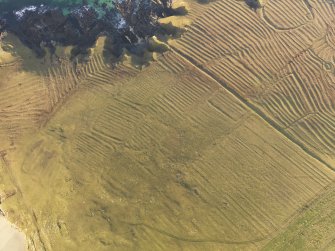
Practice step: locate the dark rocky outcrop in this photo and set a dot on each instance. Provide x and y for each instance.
(127, 25)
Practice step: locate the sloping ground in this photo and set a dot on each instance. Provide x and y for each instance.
(312, 230)
(167, 159)
(279, 60)
(183, 155)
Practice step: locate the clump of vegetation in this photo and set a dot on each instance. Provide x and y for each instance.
(254, 4)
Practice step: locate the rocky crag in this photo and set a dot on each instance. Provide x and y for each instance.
(128, 24)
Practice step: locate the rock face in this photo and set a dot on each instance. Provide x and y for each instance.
(40, 29)
(127, 24)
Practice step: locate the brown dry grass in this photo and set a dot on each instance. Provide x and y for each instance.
(219, 145)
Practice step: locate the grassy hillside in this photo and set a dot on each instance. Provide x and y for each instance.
(223, 143)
